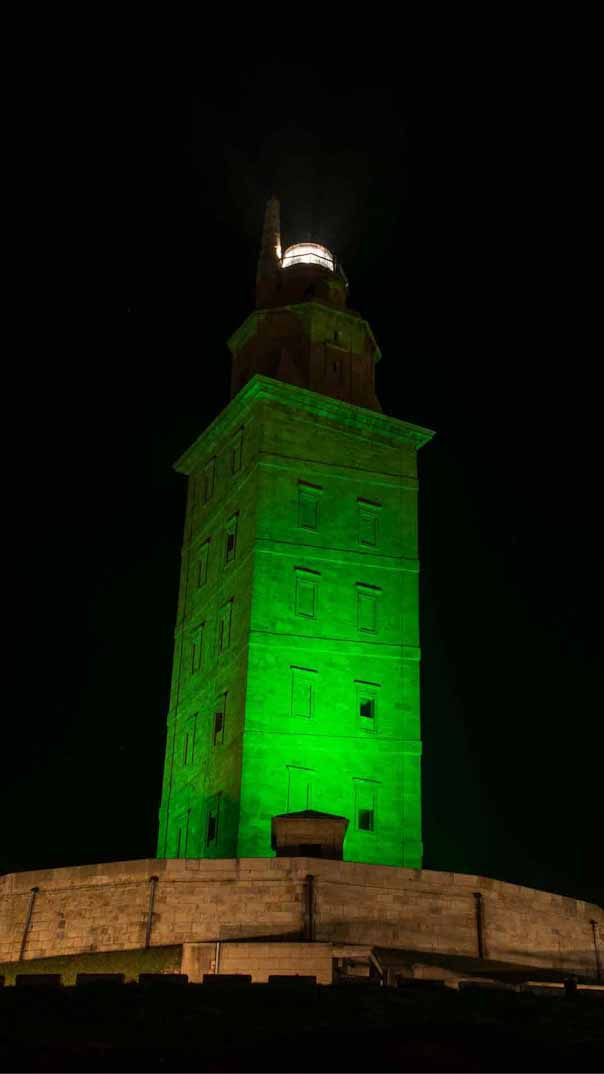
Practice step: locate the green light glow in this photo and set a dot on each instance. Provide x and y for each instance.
(303, 633)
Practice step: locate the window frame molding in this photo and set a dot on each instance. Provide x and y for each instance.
(364, 787)
(368, 510)
(202, 560)
(364, 591)
(306, 577)
(299, 674)
(220, 708)
(182, 822)
(198, 646)
(236, 452)
(309, 494)
(225, 615)
(189, 742)
(213, 810)
(367, 691)
(208, 479)
(311, 778)
(231, 528)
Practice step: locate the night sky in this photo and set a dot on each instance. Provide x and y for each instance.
(458, 217)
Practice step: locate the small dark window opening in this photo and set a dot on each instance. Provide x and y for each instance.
(212, 828)
(366, 820)
(310, 850)
(236, 454)
(218, 726)
(230, 545)
(368, 709)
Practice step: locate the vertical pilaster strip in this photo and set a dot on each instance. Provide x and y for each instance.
(479, 923)
(152, 886)
(309, 908)
(30, 909)
(594, 929)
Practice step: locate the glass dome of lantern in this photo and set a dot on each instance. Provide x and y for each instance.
(308, 253)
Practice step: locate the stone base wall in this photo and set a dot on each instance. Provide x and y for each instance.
(106, 908)
(260, 960)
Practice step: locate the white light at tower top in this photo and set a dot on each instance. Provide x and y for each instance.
(308, 253)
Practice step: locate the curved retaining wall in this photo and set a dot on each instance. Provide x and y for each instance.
(107, 907)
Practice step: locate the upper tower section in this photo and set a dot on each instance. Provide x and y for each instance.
(302, 331)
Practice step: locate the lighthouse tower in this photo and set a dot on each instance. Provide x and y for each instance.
(296, 666)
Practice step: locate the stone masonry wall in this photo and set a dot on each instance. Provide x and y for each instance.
(105, 908)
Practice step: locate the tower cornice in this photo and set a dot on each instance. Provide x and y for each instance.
(260, 388)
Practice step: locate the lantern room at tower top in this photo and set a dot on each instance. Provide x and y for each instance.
(308, 253)
(296, 670)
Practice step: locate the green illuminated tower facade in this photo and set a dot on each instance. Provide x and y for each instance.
(296, 669)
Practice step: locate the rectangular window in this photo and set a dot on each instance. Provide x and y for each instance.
(197, 649)
(188, 742)
(307, 584)
(368, 513)
(367, 608)
(219, 719)
(303, 691)
(236, 452)
(202, 563)
(182, 835)
(208, 481)
(366, 694)
(212, 828)
(230, 539)
(213, 821)
(333, 364)
(365, 802)
(223, 639)
(299, 788)
(308, 505)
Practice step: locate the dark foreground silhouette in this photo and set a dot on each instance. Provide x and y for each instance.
(174, 1026)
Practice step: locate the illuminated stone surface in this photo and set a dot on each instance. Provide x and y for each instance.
(105, 908)
(302, 633)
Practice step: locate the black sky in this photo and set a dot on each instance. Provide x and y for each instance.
(461, 220)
